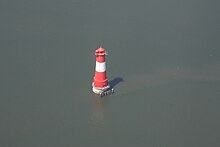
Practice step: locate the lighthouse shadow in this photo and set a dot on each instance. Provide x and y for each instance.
(115, 81)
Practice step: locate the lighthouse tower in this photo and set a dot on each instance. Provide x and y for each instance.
(100, 81)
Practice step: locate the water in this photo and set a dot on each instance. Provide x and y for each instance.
(164, 64)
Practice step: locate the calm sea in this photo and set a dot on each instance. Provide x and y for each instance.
(163, 62)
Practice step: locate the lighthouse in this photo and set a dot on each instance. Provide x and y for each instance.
(100, 83)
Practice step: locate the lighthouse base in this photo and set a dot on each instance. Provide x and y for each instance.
(98, 90)
(104, 91)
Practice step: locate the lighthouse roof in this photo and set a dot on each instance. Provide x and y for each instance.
(100, 51)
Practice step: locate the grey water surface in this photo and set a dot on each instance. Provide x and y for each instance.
(163, 62)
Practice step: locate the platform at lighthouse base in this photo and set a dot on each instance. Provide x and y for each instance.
(102, 91)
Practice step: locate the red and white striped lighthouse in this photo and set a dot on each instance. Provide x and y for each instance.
(100, 81)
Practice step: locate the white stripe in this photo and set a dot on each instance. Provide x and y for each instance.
(100, 67)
